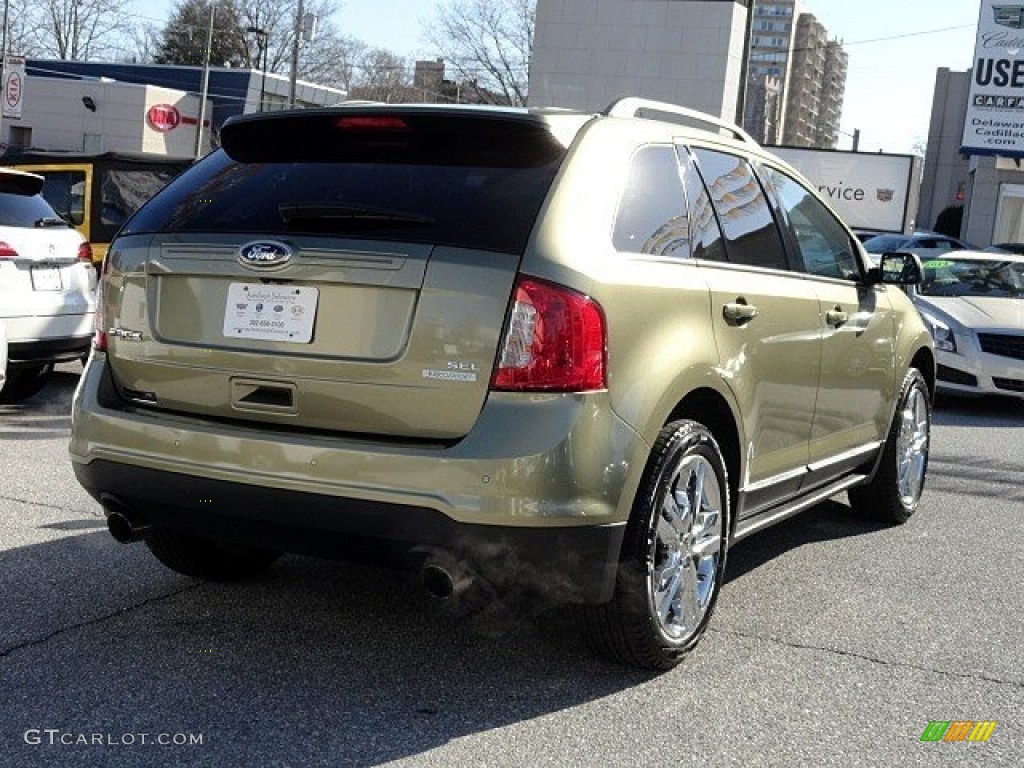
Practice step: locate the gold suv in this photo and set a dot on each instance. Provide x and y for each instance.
(579, 353)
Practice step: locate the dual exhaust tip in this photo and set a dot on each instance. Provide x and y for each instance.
(442, 576)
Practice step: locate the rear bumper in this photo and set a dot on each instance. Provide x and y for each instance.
(573, 564)
(48, 339)
(537, 494)
(48, 350)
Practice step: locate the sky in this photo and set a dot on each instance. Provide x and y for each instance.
(894, 48)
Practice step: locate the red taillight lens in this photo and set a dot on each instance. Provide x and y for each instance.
(7, 252)
(554, 341)
(371, 123)
(99, 336)
(85, 253)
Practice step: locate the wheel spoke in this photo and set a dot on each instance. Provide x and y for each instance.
(667, 597)
(706, 546)
(689, 597)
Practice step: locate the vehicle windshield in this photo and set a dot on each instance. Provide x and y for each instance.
(996, 278)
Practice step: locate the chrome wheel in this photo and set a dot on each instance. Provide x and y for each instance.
(912, 447)
(686, 545)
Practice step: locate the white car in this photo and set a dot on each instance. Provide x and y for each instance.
(3, 355)
(47, 286)
(973, 303)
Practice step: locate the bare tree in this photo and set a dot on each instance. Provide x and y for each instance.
(383, 76)
(488, 43)
(21, 27)
(76, 29)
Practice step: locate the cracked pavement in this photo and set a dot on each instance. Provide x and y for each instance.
(835, 642)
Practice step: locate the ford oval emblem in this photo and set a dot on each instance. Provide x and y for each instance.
(264, 254)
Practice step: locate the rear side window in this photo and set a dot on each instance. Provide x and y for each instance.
(452, 180)
(652, 211)
(825, 247)
(746, 218)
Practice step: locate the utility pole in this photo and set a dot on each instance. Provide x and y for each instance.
(206, 81)
(3, 72)
(296, 42)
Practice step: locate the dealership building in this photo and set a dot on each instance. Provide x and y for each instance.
(975, 156)
(94, 107)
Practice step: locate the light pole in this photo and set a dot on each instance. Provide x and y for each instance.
(3, 72)
(206, 82)
(261, 50)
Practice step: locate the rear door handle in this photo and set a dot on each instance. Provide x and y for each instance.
(836, 317)
(739, 312)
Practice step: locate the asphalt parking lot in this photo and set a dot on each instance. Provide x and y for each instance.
(836, 641)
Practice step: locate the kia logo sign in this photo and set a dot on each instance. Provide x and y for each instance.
(264, 254)
(163, 117)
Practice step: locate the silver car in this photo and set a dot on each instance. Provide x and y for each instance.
(973, 302)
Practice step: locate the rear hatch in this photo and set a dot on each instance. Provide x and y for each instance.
(339, 270)
(41, 273)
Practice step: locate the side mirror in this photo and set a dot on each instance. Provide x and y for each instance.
(899, 268)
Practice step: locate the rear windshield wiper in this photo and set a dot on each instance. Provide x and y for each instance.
(50, 221)
(343, 215)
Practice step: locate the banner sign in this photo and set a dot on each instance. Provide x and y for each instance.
(995, 107)
(869, 190)
(14, 87)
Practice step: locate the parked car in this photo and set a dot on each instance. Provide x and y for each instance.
(534, 349)
(3, 355)
(96, 193)
(920, 240)
(47, 286)
(973, 302)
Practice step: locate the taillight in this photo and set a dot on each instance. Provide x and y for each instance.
(85, 253)
(99, 336)
(554, 341)
(7, 252)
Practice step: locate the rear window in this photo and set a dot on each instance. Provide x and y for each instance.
(461, 181)
(17, 210)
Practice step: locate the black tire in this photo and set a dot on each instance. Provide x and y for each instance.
(24, 381)
(892, 495)
(205, 558)
(629, 628)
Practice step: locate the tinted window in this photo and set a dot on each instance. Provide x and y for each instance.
(746, 218)
(469, 183)
(18, 210)
(707, 235)
(824, 245)
(652, 212)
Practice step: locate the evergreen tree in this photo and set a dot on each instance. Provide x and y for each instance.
(183, 40)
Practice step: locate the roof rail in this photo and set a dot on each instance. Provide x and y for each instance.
(631, 106)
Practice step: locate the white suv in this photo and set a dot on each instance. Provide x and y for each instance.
(47, 286)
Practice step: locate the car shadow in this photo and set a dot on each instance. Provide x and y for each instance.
(45, 415)
(950, 410)
(315, 663)
(828, 521)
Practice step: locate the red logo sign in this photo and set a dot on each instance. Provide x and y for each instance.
(13, 93)
(163, 117)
